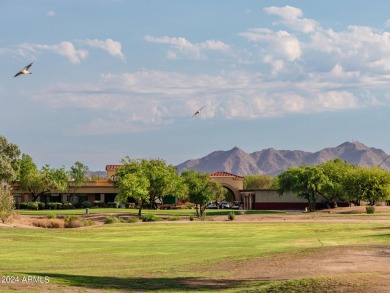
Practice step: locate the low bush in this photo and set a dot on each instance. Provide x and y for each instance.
(56, 223)
(41, 205)
(191, 217)
(51, 216)
(98, 204)
(32, 205)
(88, 222)
(67, 205)
(77, 221)
(55, 205)
(132, 220)
(370, 209)
(112, 220)
(69, 220)
(231, 216)
(86, 204)
(23, 205)
(113, 205)
(48, 223)
(150, 218)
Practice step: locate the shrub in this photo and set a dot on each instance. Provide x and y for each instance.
(98, 203)
(69, 219)
(132, 220)
(86, 204)
(41, 205)
(111, 220)
(54, 205)
(88, 222)
(48, 223)
(150, 218)
(23, 205)
(370, 209)
(113, 204)
(231, 216)
(68, 205)
(174, 218)
(56, 223)
(76, 222)
(73, 222)
(51, 216)
(32, 205)
(191, 217)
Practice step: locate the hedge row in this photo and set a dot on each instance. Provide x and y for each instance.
(41, 206)
(62, 206)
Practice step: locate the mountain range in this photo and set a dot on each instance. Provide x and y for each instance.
(272, 162)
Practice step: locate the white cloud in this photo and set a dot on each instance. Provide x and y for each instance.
(292, 17)
(51, 13)
(280, 43)
(114, 48)
(336, 100)
(66, 49)
(148, 99)
(186, 48)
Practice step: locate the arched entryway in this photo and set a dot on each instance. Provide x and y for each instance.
(233, 183)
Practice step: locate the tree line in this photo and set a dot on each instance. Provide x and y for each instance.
(146, 181)
(335, 181)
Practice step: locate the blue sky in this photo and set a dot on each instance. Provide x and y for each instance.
(114, 78)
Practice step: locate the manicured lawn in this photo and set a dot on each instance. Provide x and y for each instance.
(163, 257)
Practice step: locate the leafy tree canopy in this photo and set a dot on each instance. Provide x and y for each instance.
(9, 160)
(201, 190)
(162, 179)
(39, 182)
(258, 181)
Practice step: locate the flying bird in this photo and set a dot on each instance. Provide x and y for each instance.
(198, 111)
(24, 70)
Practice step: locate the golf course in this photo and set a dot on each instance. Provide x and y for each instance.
(258, 251)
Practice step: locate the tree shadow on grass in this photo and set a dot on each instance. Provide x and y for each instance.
(143, 284)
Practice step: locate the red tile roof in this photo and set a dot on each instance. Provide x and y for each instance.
(112, 167)
(223, 174)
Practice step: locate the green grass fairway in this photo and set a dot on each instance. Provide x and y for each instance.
(163, 257)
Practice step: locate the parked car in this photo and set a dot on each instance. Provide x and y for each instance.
(212, 206)
(224, 205)
(237, 205)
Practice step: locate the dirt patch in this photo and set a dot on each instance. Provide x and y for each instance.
(356, 269)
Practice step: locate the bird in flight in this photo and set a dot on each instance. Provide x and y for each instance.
(24, 70)
(198, 111)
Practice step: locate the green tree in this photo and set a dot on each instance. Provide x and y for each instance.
(39, 182)
(257, 181)
(306, 182)
(201, 190)
(370, 184)
(7, 204)
(134, 185)
(78, 174)
(336, 171)
(163, 179)
(9, 161)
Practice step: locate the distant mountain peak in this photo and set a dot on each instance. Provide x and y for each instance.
(355, 144)
(271, 161)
